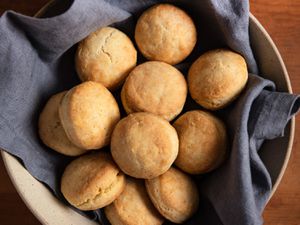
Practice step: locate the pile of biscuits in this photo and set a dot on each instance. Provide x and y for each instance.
(144, 177)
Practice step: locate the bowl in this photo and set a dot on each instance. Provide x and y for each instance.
(274, 153)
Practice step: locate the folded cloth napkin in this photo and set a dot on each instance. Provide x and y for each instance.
(36, 58)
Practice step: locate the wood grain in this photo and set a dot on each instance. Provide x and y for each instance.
(281, 18)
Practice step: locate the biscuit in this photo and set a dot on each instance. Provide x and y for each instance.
(51, 131)
(144, 145)
(165, 33)
(202, 142)
(155, 87)
(133, 207)
(88, 113)
(92, 181)
(105, 56)
(216, 78)
(174, 194)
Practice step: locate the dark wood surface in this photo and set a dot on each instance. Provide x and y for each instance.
(281, 18)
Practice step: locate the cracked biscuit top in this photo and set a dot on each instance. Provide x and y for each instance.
(155, 87)
(105, 56)
(92, 181)
(165, 33)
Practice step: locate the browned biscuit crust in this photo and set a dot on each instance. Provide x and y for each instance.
(51, 130)
(202, 142)
(105, 56)
(144, 145)
(88, 113)
(92, 181)
(165, 33)
(174, 194)
(133, 207)
(216, 78)
(155, 87)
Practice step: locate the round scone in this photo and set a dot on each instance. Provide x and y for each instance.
(51, 131)
(174, 194)
(216, 78)
(92, 181)
(155, 87)
(144, 145)
(133, 207)
(165, 33)
(105, 56)
(88, 113)
(202, 142)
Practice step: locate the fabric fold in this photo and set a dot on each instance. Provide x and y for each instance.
(280, 105)
(51, 37)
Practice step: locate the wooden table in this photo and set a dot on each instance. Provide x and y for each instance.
(281, 18)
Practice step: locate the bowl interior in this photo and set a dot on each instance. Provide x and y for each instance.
(275, 153)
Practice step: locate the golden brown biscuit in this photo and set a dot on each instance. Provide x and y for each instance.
(216, 78)
(202, 142)
(88, 113)
(51, 131)
(92, 181)
(155, 87)
(133, 207)
(144, 145)
(174, 194)
(165, 33)
(105, 56)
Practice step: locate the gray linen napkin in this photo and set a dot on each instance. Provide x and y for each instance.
(36, 58)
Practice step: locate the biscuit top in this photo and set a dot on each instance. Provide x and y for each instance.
(88, 113)
(133, 206)
(217, 77)
(155, 87)
(144, 145)
(174, 194)
(165, 33)
(51, 130)
(105, 56)
(91, 180)
(203, 142)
